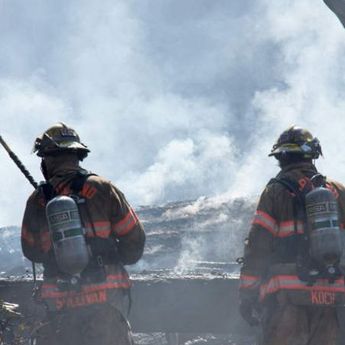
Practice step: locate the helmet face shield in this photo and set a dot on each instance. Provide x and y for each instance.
(59, 138)
(296, 140)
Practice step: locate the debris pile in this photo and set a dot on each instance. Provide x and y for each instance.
(14, 328)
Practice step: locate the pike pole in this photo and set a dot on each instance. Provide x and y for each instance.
(26, 173)
(19, 164)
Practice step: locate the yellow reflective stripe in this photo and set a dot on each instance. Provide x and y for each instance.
(287, 228)
(102, 229)
(266, 221)
(126, 224)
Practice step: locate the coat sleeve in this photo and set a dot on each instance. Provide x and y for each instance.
(127, 228)
(35, 237)
(258, 246)
(339, 192)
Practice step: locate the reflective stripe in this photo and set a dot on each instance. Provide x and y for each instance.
(28, 236)
(88, 191)
(102, 229)
(266, 221)
(291, 282)
(51, 290)
(249, 282)
(126, 224)
(287, 228)
(283, 229)
(45, 240)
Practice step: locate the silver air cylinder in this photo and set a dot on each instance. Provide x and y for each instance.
(324, 233)
(67, 235)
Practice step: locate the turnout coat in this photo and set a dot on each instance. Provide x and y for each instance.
(108, 219)
(272, 247)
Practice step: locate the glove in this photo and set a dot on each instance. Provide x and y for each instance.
(250, 312)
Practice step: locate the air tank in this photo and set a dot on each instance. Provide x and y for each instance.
(324, 234)
(67, 235)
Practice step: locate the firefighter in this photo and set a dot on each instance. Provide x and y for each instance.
(83, 231)
(291, 280)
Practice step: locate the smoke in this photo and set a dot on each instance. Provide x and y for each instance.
(175, 99)
(183, 165)
(313, 75)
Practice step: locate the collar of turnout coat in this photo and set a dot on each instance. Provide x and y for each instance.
(307, 168)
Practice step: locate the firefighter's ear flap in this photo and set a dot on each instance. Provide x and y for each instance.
(44, 170)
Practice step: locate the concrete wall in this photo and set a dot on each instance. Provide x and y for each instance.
(170, 304)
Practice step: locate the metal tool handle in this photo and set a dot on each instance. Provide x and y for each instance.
(19, 164)
(26, 173)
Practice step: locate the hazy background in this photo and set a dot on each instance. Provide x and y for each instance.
(175, 98)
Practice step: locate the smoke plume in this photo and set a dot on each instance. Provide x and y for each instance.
(175, 99)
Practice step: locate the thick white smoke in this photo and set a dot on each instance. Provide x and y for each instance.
(176, 99)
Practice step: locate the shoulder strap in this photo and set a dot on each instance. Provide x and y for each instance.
(292, 186)
(298, 202)
(76, 187)
(79, 180)
(47, 190)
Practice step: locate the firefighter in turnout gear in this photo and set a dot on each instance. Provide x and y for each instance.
(83, 231)
(292, 281)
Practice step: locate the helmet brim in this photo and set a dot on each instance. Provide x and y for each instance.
(72, 145)
(286, 148)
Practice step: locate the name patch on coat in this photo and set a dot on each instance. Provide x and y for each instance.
(81, 299)
(322, 297)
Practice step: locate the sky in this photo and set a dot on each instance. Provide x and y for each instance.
(176, 99)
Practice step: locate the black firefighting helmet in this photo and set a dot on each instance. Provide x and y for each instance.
(60, 138)
(298, 141)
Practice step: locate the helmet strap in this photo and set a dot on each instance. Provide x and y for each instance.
(44, 170)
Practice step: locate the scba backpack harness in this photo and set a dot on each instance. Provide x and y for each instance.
(319, 250)
(79, 258)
